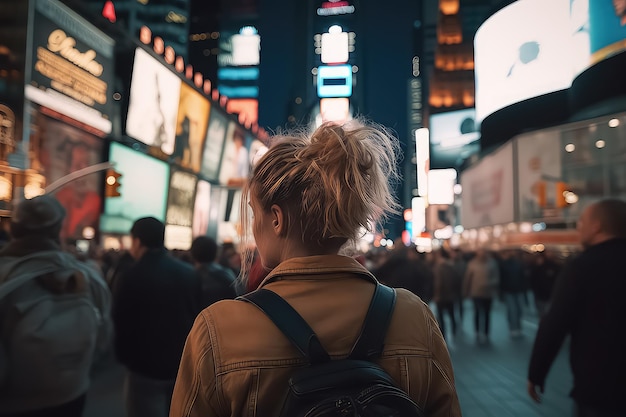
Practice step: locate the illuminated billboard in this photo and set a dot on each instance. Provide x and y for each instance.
(153, 103)
(180, 207)
(235, 159)
(214, 144)
(191, 127)
(488, 190)
(522, 51)
(454, 137)
(607, 28)
(70, 68)
(201, 209)
(65, 149)
(143, 187)
(334, 81)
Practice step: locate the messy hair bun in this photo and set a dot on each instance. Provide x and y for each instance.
(335, 182)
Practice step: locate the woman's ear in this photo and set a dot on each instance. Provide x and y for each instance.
(279, 218)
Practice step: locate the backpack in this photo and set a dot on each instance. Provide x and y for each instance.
(48, 339)
(354, 386)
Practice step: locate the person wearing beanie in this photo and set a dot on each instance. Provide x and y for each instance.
(68, 316)
(155, 303)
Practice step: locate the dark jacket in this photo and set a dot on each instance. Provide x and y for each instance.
(412, 274)
(588, 304)
(217, 283)
(512, 276)
(154, 306)
(542, 279)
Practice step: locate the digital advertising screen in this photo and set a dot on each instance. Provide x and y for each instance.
(607, 28)
(70, 66)
(179, 213)
(235, 164)
(191, 128)
(153, 103)
(144, 183)
(202, 209)
(488, 190)
(64, 149)
(454, 137)
(540, 169)
(214, 144)
(522, 51)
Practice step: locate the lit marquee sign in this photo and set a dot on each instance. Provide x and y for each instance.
(71, 69)
(334, 81)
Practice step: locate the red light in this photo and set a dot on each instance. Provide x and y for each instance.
(108, 11)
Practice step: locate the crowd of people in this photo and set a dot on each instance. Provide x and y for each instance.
(190, 348)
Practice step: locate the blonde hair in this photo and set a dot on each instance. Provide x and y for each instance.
(336, 182)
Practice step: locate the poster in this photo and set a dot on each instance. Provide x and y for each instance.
(64, 149)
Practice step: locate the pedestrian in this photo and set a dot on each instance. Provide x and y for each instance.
(480, 283)
(447, 289)
(54, 317)
(543, 273)
(458, 261)
(588, 305)
(154, 305)
(217, 283)
(404, 268)
(310, 196)
(512, 289)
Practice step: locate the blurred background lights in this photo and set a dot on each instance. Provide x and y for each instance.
(613, 122)
(600, 144)
(570, 197)
(570, 147)
(525, 227)
(458, 189)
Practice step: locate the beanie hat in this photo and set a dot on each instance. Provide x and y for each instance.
(150, 232)
(42, 216)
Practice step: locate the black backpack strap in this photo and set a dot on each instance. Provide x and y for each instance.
(290, 322)
(370, 342)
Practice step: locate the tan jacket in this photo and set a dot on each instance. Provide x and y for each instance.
(237, 363)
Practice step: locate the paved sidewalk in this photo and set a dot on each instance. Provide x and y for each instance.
(490, 378)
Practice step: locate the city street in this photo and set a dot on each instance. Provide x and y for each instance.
(490, 378)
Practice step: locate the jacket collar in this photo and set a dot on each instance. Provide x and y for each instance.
(319, 266)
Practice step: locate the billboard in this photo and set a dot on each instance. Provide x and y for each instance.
(235, 164)
(607, 28)
(191, 127)
(488, 190)
(153, 103)
(214, 144)
(522, 51)
(64, 149)
(540, 171)
(179, 213)
(454, 137)
(70, 67)
(201, 209)
(144, 184)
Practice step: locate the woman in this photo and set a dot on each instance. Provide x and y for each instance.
(309, 196)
